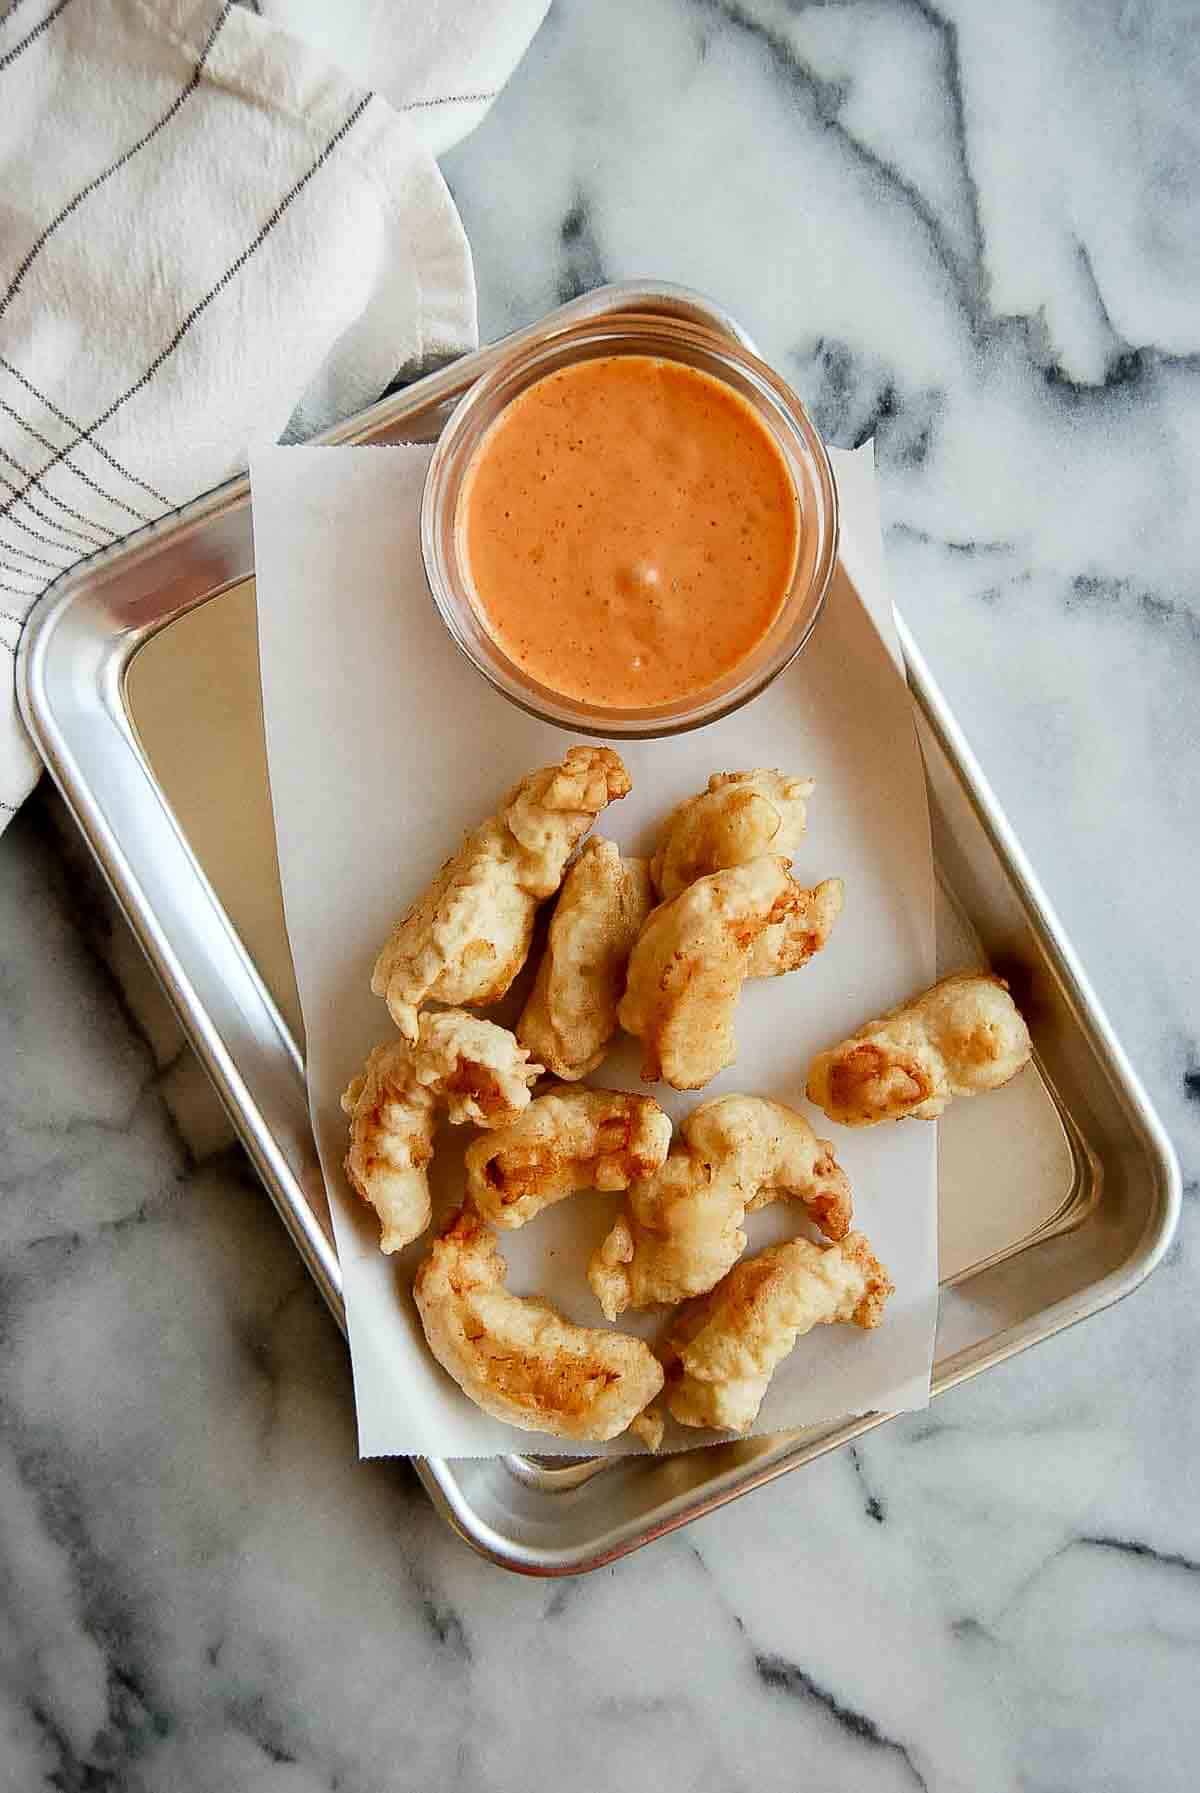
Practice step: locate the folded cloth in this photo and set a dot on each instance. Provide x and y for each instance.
(441, 65)
(213, 233)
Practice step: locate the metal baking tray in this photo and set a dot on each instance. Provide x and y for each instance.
(138, 676)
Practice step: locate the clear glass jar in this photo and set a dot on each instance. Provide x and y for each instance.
(777, 407)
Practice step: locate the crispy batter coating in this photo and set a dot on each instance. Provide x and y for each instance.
(602, 907)
(723, 1348)
(567, 1140)
(649, 1426)
(741, 816)
(466, 937)
(790, 944)
(687, 969)
(392, 1120)
(475, 1068)
(517, 1357)
(960, 1037)
(682, 1226)
(479, 1070)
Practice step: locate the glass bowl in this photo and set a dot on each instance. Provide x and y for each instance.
(777, 407)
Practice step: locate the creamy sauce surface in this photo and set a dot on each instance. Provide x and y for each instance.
(630, 530)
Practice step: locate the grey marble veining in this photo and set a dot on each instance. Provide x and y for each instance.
(973, 231)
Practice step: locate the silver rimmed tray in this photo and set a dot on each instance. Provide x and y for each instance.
(139, 681)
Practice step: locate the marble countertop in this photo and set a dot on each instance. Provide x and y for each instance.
(973, 231)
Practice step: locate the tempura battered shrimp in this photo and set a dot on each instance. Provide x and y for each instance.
(788, 945)
(392, 1121)
(688, 966)
(682, 1226)
(962, 1036)
(475, 1068)
(479, 1070)
(465, 939)
(572, 1012)
(517, 1357)
(741, 816)
(723, 1348)
(567, 1140)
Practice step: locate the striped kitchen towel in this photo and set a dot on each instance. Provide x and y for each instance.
(213, 231)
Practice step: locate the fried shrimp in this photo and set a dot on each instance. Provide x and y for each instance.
(465, 939)
(963, 1036)
(682, 1225)
(788, 945)
(479, 1072)
(741, 816)
(571, 1014)
(688, 966)
(723, 1348)
(392, 1120)
(517, 1357)
(567, 1140)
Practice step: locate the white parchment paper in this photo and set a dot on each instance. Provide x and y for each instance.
(384, 746)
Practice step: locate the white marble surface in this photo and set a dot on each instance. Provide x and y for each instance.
(974, 229)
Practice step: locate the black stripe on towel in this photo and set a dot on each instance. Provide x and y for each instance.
(11, 55)
(78, 471)
(451, 99)
(234, 268)
(23, 573)
(27, 529)
(115, 167)
(19, 497)
(53, 498)
(24, 554)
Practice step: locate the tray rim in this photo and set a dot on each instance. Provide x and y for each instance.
(271, 1156)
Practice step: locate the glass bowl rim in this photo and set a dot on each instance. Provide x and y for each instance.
(628, 333)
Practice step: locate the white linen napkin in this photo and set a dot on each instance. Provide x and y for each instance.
(213, 233)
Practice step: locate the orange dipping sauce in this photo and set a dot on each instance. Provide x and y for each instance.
(630, 530)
